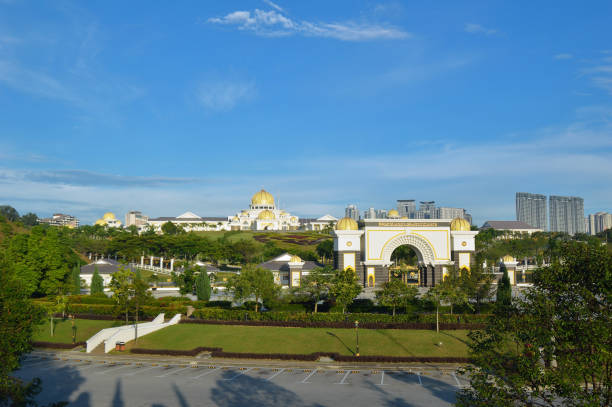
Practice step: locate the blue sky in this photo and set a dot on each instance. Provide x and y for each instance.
(197, 105)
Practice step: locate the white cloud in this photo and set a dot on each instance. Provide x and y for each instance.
(224, 95)
(33, 82)
(600, 74)
(479, 29)
(274, 5)
(564, 56)
(274, 24)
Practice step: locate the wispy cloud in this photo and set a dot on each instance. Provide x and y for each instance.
(274, 5)
(224, 95)
(33, 82)
(274, 23)
(479, 29)
(600, 74)
(564, 56)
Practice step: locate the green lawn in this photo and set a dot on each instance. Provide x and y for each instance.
(388, 342)
(86, 328)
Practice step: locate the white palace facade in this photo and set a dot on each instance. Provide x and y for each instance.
(263, 214)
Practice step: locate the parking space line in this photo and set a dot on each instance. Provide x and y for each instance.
(113, 370)
(419, 376)
(239, 374)
(344, 378)
(382, 378)
(309, 376)
(456, 380)
(139, 371)
(205, 373)
(174, 371)
(276, 374)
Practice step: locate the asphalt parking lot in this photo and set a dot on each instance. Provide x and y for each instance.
(116, 382)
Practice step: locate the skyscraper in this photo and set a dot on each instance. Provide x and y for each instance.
(566, 214)
(352, 212)
(406, 207)
(531, 209)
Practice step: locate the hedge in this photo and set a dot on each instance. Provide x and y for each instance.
(146, 311)
(312, 357)
(325, 324)
(56, 345)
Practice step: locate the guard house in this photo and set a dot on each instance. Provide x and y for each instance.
(440, 244)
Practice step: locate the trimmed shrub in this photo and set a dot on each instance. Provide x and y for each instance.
(56, 345)
(323, 324)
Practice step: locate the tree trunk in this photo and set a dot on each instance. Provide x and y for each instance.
(256, 304)
(126, 315)
(51, 324)
(316, 306)
(394, 310)
(451, 304)
(437, 320)
(136, 325)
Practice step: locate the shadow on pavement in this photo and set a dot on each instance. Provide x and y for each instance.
(252, 392)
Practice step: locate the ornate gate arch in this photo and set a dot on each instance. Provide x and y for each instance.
(421, 247)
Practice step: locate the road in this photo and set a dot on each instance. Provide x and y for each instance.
(119, 381)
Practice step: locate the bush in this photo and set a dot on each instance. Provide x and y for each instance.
(57, 345)
(219, 304)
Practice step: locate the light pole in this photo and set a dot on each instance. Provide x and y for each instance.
(357, 336)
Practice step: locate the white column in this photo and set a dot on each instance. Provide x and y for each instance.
(171, 264)
(161, 263)
(151, 258)
(141, 261)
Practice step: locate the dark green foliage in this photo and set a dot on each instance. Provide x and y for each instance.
(170, 228)
(552, 346)
(396, 293)
(97, 283)
(344, 287)
(253, 282)
(9, 213)
(315, 286)
(185, 280)
(76, 280)
(29, 219)
(504, 291)
(325, 250)
(202, 284)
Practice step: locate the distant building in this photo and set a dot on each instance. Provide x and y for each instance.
(427, 210)
(189, 221)
(406, 208)
(369, 214)
(60, 219)
(105, 268)
(566, 214)
(135, 218)
(318, 224)
(598, 222)
(109, 220)
(510, 226)
(288, 269)
(450, 213)
(531, 209)
(263, 214)
(352, 212)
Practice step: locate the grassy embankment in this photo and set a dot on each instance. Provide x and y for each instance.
(289, 240)
(388, 342)
(86, 328)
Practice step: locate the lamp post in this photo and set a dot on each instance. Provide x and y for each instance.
(357, 336)
(73, 329)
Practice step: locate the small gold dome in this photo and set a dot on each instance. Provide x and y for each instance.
(109, 216)
(347, 224)
(100, 222)
(393, 213)
(295, 259)
(262, 198)
(236, 218)
(460, 224)
(508, 259)
(266, 214)
(404, 217)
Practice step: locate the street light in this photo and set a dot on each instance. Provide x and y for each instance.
(357, 335)
(74, 328)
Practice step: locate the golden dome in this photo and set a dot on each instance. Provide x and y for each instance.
(347, 224)
(295, 259)
(262, 198)
(235, 218)
(393, 213)
(460, 224)
(404, 217)
(266, 214)
(508, 259)
(100, 222)
(109, 216)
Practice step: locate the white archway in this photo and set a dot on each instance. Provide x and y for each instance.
(422, 248)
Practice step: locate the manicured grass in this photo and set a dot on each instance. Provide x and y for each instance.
(387, 342)
(86, 328)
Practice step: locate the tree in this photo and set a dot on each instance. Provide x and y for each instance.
(325, 250)
(253, 282)
(29, 219)
(121, 285)
(504, 291)
(97, 283)
(452, 290)
(170, 228)
(553, 347)
(315, 285)
(476, 283)
(436, 295)
(185, 280)
(76, 280)
(9, 213)
(344, 287)
(202, 284)
(396, 293)
(141, 295)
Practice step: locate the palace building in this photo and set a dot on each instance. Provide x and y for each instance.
(263, 214)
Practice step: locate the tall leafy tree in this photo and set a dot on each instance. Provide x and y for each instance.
(345, 287)
(121, 285)
(315, 285)
(396, 293)
(97, 283)
(325, 250)
(29, 219)
(202, 284)
(76, 280)
(9, 213)
(436, 295)
(140, 296)
(504, 290)
(253, 282)
(185, 280)
(452, 290)
(553, 346)
(476, 283)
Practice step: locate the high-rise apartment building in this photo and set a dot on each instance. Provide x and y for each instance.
(136, 218)
(566, 214)
(531, 209)
(406, 207)
(598, 222)
(369, 214)
(352, 212)
(60, 219)
(450, 213)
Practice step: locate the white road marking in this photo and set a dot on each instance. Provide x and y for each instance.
(205, 373)
(457, 380)
(115, 369)
(419, 376)
(239, 374)
(174, 371)
(276, 374)
(344, 378)
(382, 378)
(139, 371)
(309, 376)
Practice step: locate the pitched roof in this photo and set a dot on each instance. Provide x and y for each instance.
(506, 225)
(105, 266)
